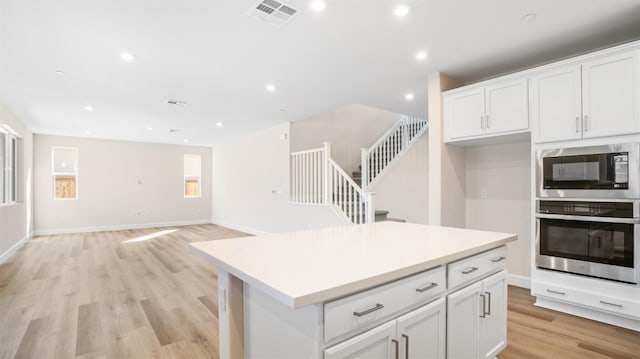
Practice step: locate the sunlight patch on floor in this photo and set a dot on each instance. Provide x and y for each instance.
(149, 236)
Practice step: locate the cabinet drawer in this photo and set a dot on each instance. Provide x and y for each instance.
(621, 306)
(363, 310)
(469, 269)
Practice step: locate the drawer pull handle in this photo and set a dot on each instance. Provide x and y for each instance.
(611, 304)
(484, 304)
(499, 259)
(555, 292)
(406, 344)
(397, 344)
(430, 286)
(470, 270)
(377, 307)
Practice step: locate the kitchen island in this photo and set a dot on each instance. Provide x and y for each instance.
(361, 291)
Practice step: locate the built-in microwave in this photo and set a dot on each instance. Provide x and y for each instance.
(589, 172)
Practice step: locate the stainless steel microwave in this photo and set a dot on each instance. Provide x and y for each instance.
(589, 172)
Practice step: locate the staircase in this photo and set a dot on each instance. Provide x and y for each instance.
(316, 179)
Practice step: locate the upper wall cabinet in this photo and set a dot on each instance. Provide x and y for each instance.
(498, 107)
(595, 99)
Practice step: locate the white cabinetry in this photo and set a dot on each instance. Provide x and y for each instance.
(597, 98)
(477, 319)
(497, 107)
(417, 334)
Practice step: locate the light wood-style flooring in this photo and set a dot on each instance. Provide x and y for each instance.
(120, 294)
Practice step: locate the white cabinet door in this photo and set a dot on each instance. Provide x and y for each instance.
(465, 112)
(422, 334)
(493, 326)
(463, 327)
(378, 343)
(611, 95)
(507, 106)
(557, 113)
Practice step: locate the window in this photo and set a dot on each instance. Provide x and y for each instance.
(8, 166)
(65, 172)
(192, 165)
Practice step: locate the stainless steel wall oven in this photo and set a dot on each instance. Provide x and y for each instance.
(598, 239)
(588, 211)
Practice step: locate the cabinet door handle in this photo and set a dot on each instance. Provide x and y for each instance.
(498, 259)
(489, 303)
(555, 292)
(397, 347)
(406, 345)
(371, 310)
(470, 270)
(482, 122)
(586, 123)
(487, 121)
(484, 303)
(430, 286)
(611, 304)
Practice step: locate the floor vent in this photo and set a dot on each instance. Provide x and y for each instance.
(273, 12)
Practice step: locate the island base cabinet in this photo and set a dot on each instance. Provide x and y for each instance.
(418, 334)
(477, 319)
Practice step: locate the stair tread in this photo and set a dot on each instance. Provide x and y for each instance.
(395, 220)
(380, 212)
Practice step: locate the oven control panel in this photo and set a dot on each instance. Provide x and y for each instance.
(587, 208)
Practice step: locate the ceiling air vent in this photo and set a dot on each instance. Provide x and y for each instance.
(177, 102)
(273, 12)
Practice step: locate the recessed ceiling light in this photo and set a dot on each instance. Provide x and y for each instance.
(87, 132)
(186, 140)
(401, 10)
(271, 88)
(60, 72)
(127, 56)
(529, 17)
(409, 96)
(421, 55)
(89, 108)
(219, 124)
(318, 5)
(149, 128)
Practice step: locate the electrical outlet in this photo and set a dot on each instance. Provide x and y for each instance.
(483, 193)
(139, 181)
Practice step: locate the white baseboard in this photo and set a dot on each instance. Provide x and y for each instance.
(236, 227)
(519, 281)
(16, 247)
(47, 232)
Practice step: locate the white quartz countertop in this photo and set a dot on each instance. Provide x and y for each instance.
(315, 266)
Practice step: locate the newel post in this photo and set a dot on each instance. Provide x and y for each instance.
(364, 170)
(405, 133)
(326, 175)
(370, 208)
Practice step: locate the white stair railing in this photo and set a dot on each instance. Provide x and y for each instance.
(377, 158)
(353, 202)
(308, 170)
(317, 179)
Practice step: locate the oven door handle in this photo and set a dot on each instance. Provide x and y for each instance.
(589, 219)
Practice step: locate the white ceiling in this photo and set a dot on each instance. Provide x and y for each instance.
(212, 55)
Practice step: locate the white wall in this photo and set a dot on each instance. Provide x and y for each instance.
(16, 224)
(348, 128)
(446, 162)
(404, 190)
(109, 195)
(251, 186)
(505, 172)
